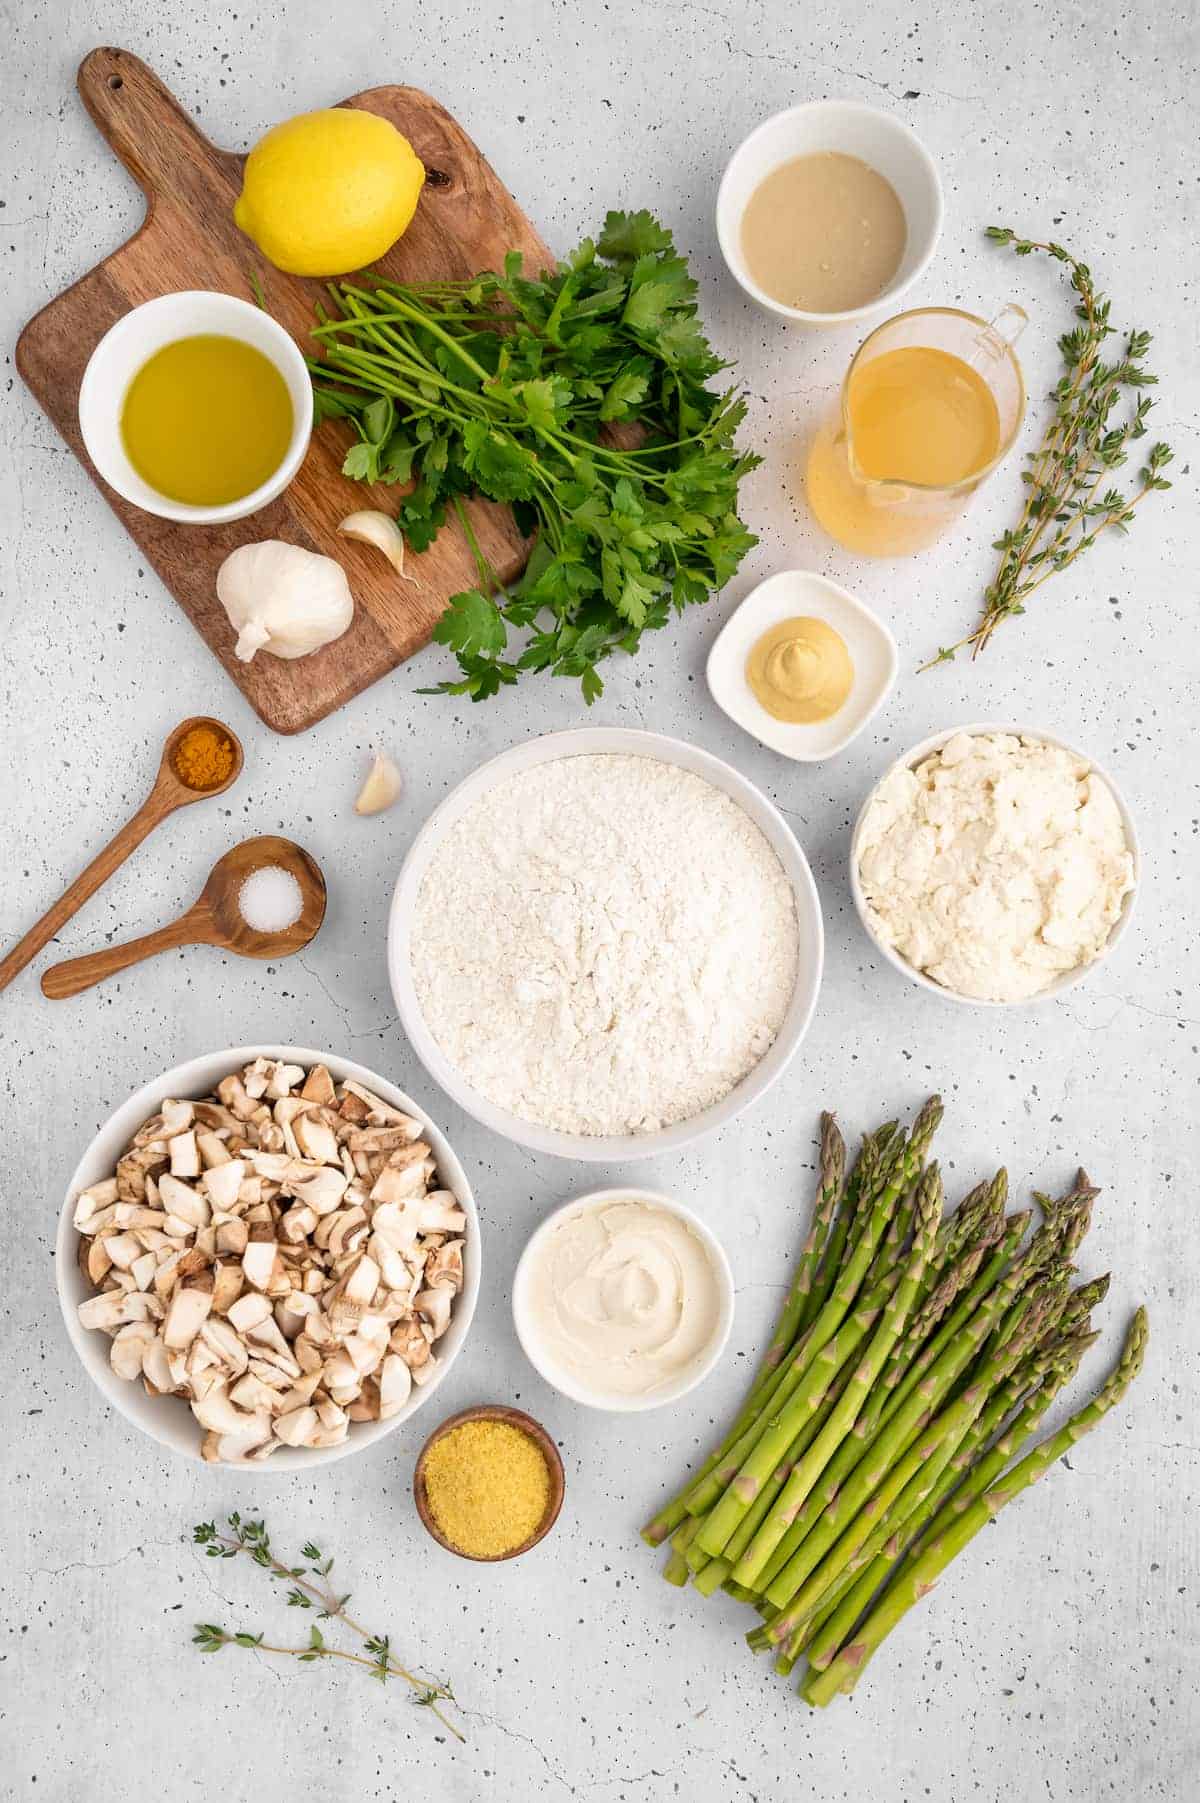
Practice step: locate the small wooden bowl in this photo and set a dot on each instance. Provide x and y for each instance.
(494, 1411)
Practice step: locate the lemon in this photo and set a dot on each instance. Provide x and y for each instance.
(329, 192)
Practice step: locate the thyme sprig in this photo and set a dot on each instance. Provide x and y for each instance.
(1068, 499)
(307, 1590)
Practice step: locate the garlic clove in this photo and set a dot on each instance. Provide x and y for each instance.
(379, 529)
(381, 787)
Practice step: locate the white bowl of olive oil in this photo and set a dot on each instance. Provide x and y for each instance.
(196, 407)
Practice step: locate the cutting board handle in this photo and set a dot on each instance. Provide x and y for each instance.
(141, 118)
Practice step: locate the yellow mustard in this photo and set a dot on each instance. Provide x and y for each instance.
(800, 671)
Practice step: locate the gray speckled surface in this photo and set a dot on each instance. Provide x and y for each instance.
(1061, 1659)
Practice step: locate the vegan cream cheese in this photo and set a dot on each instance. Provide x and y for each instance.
(995, 865)
(623, 1298)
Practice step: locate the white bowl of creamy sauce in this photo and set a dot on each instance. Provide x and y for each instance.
(623, 1300)
(829, 211)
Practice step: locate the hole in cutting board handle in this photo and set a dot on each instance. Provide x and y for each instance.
(116, 81)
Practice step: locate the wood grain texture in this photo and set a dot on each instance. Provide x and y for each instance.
(167, 794)
(214, 919)
(466, 220)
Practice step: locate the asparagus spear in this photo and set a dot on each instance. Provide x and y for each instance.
(892, 1439)
(830, 1182)
(814, 1461)
(953, 1532)
(869, 1169)
(842, 1608)
(909, 1481)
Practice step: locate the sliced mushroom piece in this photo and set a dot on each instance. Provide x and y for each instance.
(223, 1183)
(216, 1412)
(292, 1311)
(143, 1269)
(397, 1221)
(440, 1213)
(233, 1237)
(177, 1117)
(296, 1428)
(341, 1377)
(393, 1271)
(128, 1349)
(228, 1284)
(306, 1355)
(184, 1202)
(225, 1344)
(398, 1184)
(184, 1155)
(122, 1249)
(445, 1266)
(284, 1078)
(189, 1309)
(395, 1386)
(315, 1139)
(435, 1304)
(363, 1354)
(91, 1201)
(233, 1093)
(318, 1087)
(96, 1261)
(352, 1108)
(212, 1149)
(409, 1343)
(106, 1311)
(345, 1222)
(258, 1263)
(252, 1394)
(265, 1337)
(298, 1222)
(248, 1311)
(381, 1109)
(300, 1393)
(322, 1191)
(156, 1368)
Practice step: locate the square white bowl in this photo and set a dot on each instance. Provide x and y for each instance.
(787, 595)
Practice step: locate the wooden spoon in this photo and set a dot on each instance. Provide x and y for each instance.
(494, 1411)
(216, 919)
(169, 792)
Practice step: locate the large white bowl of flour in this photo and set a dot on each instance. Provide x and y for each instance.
(605, 943)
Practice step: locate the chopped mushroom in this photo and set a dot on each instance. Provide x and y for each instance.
(277, 1255)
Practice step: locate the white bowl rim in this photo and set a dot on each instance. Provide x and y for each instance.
(848, 315)
(288, 352)
(607, 1148)
(857, 605)
(92, 1346)
(1068, 979)
(625, 1405)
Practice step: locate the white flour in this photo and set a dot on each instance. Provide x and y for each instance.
(604, 944)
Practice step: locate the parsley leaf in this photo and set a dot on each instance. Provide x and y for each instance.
(579, 397)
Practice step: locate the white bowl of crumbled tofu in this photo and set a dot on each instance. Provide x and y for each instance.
(218, 1242)
(995, 865)
(605, 943)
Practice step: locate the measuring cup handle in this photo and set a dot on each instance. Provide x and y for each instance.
(1009, 323)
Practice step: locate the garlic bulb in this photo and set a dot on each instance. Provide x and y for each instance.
(283, 599)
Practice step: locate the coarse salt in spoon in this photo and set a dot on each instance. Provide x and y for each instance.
(217, 918)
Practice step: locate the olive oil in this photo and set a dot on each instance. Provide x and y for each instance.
(207, 420)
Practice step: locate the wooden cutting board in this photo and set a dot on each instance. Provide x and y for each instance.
(466, 221)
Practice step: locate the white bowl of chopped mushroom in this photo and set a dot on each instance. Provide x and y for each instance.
(268, 1255)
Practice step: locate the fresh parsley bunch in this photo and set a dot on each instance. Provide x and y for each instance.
(581, 400)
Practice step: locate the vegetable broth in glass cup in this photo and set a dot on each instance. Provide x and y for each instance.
(931, 404)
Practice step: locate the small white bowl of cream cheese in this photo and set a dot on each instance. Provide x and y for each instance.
(623, 1300)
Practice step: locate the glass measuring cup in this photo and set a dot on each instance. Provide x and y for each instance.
(883, 516)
